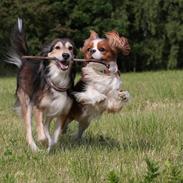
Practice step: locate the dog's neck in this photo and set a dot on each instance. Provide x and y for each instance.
(99, 69)
(59, 78)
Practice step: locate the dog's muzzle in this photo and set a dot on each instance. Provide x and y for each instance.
(64, 62)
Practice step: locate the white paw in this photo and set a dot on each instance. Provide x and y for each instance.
(90, 99)
(124, 96)
(42, 137)
(51, 144)
(99, 98)
(50, 147)
(34, 147)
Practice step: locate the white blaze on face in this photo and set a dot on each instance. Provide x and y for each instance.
(69, 45)
(97, 54)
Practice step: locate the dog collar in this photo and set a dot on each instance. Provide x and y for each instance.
(106, 71)
(111, 69)
(55, 87)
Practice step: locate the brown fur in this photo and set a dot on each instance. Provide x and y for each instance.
(84, 112)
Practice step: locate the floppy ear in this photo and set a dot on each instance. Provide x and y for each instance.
(118, 43)
(46, 49)
(93, 35)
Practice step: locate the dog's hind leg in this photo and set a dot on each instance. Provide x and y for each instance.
(60, 124)
(26, 110)
(57, 131)
(81, 128)
(47, 132)
(39, 124)
(64, 126)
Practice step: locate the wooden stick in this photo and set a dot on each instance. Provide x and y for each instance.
(39, 58)
(54, 58)
(91, 60)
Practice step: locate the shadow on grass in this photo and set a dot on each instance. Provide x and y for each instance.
(138, 144)
(97, 142)
(101, 142)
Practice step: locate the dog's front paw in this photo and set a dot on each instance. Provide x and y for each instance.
(124, 96)
(99, 98)
(34, 147)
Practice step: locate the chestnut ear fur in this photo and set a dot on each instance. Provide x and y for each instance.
(118, 43)
(93, 35)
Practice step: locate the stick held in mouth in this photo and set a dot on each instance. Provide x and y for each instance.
(54, 58)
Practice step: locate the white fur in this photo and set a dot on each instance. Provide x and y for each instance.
(100, 88)
(58, 76)
(29, 136)
(97, 54)
(67, 45)
(57, 102)
(59, 43)
(98, 85)
(13, 58)
(20, 25)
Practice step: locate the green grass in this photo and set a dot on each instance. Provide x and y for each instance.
(143, 143)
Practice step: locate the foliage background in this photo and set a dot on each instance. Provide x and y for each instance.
(154, 27)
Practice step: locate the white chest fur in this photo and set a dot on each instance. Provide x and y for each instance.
(98, 86)
(56, 103)
(102, 93)
(102, 82)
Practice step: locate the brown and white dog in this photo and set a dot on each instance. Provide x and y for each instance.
(42, 86)
(99, 87)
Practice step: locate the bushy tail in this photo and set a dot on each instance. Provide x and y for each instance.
(18, 45)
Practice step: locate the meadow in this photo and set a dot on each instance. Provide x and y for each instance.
(141, 144)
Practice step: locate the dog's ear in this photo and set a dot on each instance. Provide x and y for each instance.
(46, 48)
(118, 43)
(93, 35)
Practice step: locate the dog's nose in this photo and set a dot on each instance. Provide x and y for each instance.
(65, 56)
(92, 50)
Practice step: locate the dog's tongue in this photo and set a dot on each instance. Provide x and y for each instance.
(63, 65)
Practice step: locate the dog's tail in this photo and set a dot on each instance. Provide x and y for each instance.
(18, 44)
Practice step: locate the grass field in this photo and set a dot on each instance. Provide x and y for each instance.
(143, 143)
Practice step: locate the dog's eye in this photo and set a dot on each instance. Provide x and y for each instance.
(70, 48)
(88, 49)
(57, 47)
(102, 49)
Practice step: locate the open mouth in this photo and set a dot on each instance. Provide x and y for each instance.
(101, 59)
(64, 65)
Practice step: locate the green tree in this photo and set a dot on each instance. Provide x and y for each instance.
(154, 27)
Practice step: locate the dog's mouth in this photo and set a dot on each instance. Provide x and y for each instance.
(100, 59)
(63, 65)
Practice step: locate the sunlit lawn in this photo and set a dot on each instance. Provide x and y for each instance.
(142, 143)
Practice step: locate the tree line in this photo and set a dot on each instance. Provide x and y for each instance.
(154, 27)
